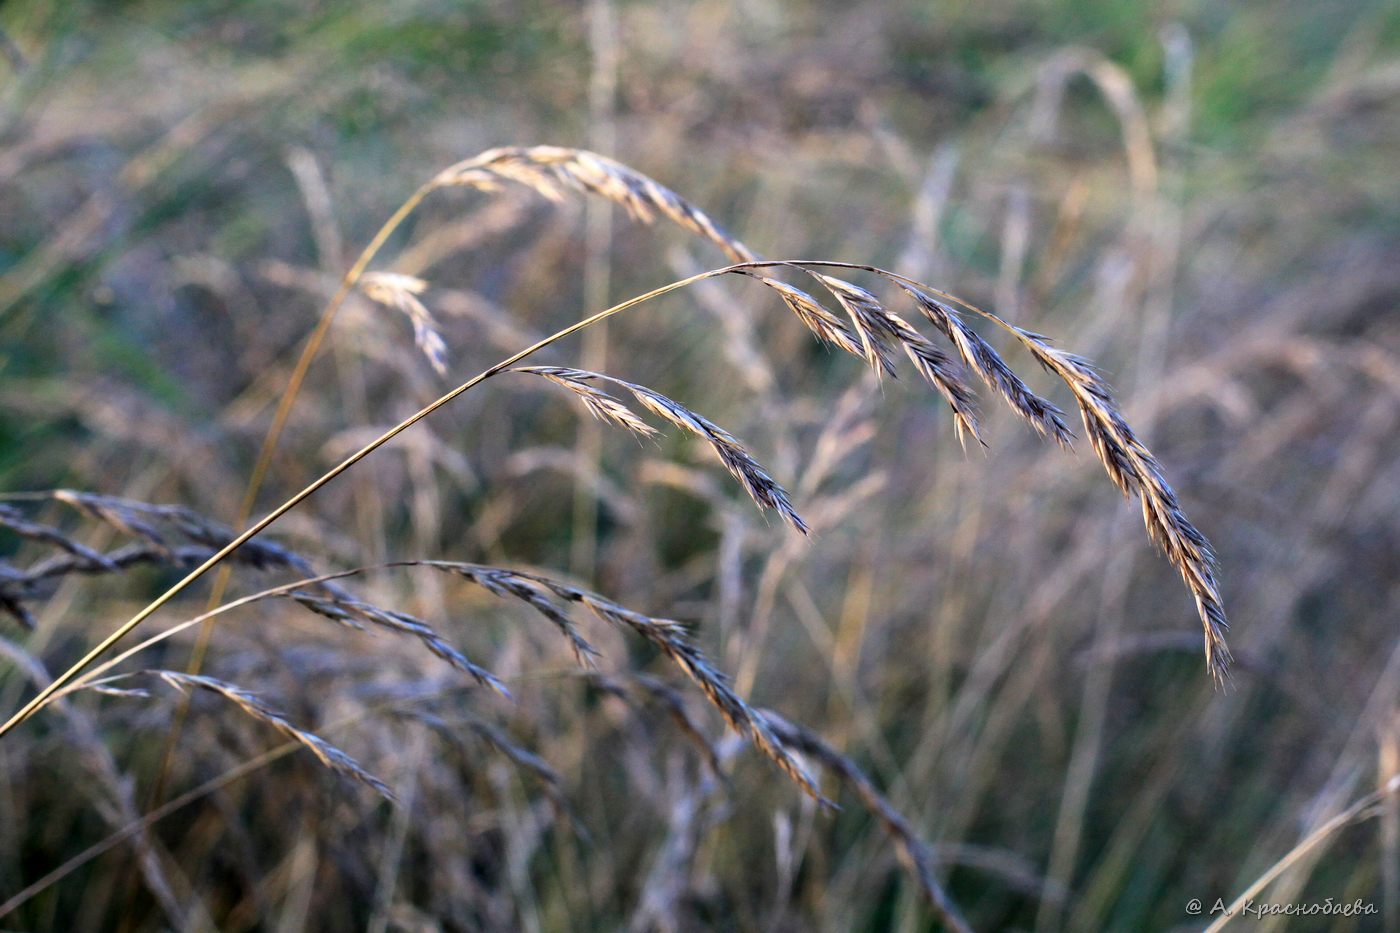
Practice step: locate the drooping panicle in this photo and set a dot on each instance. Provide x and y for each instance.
(1135, 471)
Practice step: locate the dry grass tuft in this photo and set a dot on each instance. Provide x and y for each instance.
(865, 327)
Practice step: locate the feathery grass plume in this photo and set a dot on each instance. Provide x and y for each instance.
(400, 292)
(1130, 465)
(355, 613)
(761, 487)
(550, 170)
(913, 852)
(325, 752)
(981, 358)
(1134, 470)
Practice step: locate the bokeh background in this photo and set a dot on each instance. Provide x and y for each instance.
(1199, 197)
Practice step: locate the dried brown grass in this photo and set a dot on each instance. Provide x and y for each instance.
(870, 331)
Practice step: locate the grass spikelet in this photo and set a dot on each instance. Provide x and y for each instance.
(980, 357)
(674, 641)
(509, 584)
(667, 635)
(1130, 465)
(12, 519)
(355, 613)
(156, 527)
(124, 515)
(551, 170)
(868, 320)
(400, 292)
(156, 524)
(761, 487)
(875, 326)
(600, 404)
(821, 322)
(330, 756)
(1134, 470)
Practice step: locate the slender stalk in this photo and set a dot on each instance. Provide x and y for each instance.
(91, 676)
(269, 448)
(1353, 813)
(45, 696)
(293, 389)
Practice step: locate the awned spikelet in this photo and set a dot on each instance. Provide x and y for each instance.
(979, 356)
(401, 292)
(667, 635)
(1134, 470)
(325, 752)
(760, 486)
(552, 170)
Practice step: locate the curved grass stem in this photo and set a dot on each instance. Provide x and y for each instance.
(269, 448)
(45, 696)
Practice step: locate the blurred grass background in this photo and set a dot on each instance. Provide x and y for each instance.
(1200, 197)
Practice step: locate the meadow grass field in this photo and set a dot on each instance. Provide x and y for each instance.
(723, 464)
